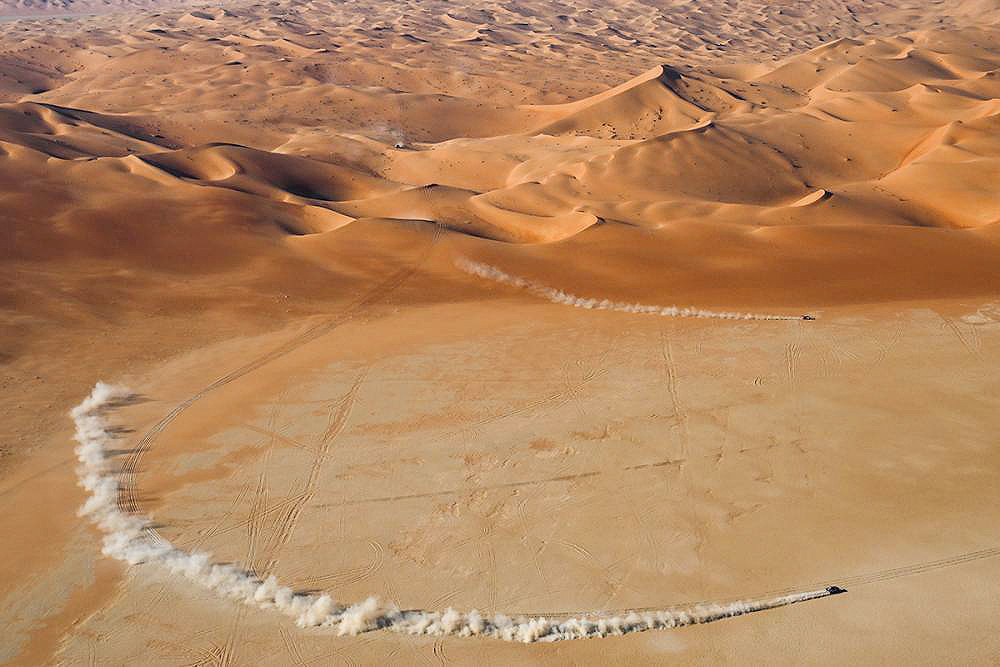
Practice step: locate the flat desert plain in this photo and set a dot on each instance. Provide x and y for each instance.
(408, 332)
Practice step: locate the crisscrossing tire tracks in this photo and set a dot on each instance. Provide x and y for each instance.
(127, 498)
(339, 414)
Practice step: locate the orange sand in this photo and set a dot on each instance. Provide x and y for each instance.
(183, 190)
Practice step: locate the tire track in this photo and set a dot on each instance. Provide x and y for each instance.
(460, 491)
(580, 550)
(168, 649)
(283, 439)
(348, 576)
(127, 499)
(574, 389)
(292, 647)
(327, 658)
(225, 655)
(970, 346)
(390, 591)
(440, 600)
(486, 546)
(670, 373)
(791, 357)
(720, 456)
(551, 401)
(439, 652)
(340, 412)
(92, 660)
(206, 660)
(187, 651)
(846, 582)
(570, 477)
(224, 519)
(831, 349)
(975, 339)
(570, 390)
(277, 506)
(919, 568)
(88, 419)
(889, 345)
(533, 493)
(645, 532)
(255, 520)
(211, 532)
(616, 584)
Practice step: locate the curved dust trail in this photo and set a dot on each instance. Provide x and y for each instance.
(558, 296)
(130, 538)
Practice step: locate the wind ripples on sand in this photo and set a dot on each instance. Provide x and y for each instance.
(132, 539)
(554, 295)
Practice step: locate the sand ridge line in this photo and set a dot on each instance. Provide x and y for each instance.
(131, 538)
(554, 295)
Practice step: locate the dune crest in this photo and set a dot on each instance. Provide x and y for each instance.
(853, 123)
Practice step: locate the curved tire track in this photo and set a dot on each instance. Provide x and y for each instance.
(848, 582)
(127, 499)
(339, 414)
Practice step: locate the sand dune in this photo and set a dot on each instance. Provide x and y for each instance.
(182, 187)
(861, 122)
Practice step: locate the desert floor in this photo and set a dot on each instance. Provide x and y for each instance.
(336, 247)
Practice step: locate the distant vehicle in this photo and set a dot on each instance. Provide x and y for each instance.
(400, 144)
(835, 590)
(808, 317)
